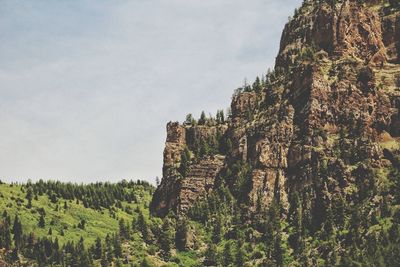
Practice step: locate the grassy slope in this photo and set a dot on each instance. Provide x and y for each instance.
(98, 223)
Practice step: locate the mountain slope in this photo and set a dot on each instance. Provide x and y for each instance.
(316, 142)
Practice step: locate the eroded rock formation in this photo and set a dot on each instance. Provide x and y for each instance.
(324, 119)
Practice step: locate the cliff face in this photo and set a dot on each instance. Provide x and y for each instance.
(323, 123)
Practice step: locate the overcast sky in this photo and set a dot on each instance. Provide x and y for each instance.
(87, 87)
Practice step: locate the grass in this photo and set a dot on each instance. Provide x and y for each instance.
(99, 223)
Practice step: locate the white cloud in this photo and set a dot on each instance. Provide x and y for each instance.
(86, 87)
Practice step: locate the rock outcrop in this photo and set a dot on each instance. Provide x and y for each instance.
(315, 127)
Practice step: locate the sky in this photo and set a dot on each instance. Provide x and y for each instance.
(87, 87)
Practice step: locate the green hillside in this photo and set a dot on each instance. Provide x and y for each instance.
(67, 215)
(61, 218)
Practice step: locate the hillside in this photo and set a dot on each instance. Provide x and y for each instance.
(302, 170)
(70, 213)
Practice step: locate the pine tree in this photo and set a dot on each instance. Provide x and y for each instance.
(165, 240)
(104, 262)
(17, 231)
(98, 249)
(189, 119)
(210, 258)
(109, 249)
(227, 257)
(123, 230)
(217, 230)
(185, 162)
(203, 118)
(82, 254)
(146, 263)
(240, 255)
(29, 196)
(4, 235)
(278, 253)
(295, 238)
(117, 246)
(181, 232)
(142, 226)
(204, 148)
(42, 221)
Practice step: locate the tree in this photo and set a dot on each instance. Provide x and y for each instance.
(82, 224)
(98, 249)
(240, 254)
(203, 118)
(257, 87)
(296, 218)
(17, 231)
(142, 226)
(109, 248)
(147, 263)
(181, 232)
(185, 162)
(104, 262)
(83, 258)
(117, 246)
(210, 258)
(124, 230)
(190, 120)
(204, 148)
(217, 230)
(29, 197)
(165, 240)
(227, 257)
(220, 116)
(278, 250)
(42, 221)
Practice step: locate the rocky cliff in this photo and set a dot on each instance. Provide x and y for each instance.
(323, 125)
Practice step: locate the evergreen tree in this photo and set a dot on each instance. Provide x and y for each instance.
(210, 258)
(17, 231)
(190, 120)
(295, 213)
(185, 162)
(104, 262)
(181, 232)
(240, 255)
(124, 230)
(217, 230)
(146, 263)
(203, 118)
(117, 246)
(142, 226)
(165, 240)
(109, 252)
(98, 249)
(83, 258)
(204, 149)
(227, 257)
(42, 221)
(29, 197)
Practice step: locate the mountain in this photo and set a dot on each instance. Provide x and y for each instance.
(318, 138)
(302, 170)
